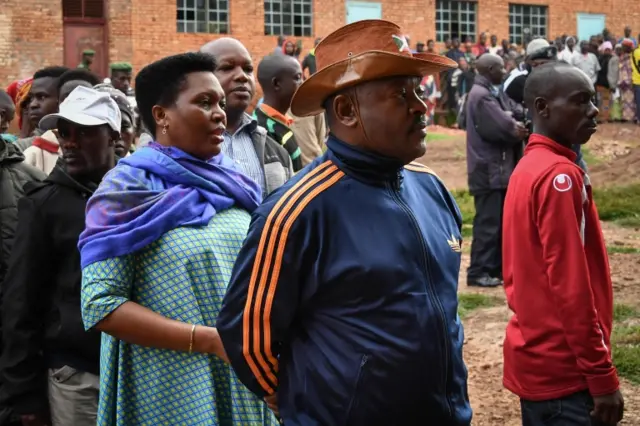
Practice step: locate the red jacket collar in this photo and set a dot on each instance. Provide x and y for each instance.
(536, 140)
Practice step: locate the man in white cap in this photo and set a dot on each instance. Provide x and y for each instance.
(50, 365)
(343, 299)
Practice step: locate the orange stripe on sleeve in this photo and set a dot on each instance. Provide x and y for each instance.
(249, 345)
(271, 289)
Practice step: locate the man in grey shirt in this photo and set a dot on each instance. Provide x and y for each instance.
(587, 62)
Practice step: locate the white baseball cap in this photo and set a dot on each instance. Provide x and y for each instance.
(86, 107)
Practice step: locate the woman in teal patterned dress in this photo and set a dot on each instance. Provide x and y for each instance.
(162, 233)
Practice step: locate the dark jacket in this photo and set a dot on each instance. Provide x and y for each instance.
(14, 174)
(41, 307)
(274, 159)
(492, 148)
(281, 133)
(351, 324)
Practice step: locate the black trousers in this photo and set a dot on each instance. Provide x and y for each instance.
(486, 247)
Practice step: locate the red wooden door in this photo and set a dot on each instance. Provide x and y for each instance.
(78, 37)
(85, 28)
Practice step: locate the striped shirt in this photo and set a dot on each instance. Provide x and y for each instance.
(239, 147)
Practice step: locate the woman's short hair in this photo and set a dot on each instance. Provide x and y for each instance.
(160, 82)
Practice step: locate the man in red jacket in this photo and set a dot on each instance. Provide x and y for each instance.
(557, 354)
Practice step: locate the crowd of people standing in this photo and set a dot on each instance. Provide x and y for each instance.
(613, 64)
(294, 265)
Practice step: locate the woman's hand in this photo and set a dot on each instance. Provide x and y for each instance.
(272, 403)
(207, 340)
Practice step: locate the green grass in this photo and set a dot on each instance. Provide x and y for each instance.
(619, 204)
(625, 341)
(438, 137)
(622, 312)
(626, 351)
(465, 203)
(588, 157)
(622, 249)
(468, 302)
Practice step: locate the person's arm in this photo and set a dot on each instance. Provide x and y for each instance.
(25, 302)
(559, 208)
(493, 124)
(106, 289)
(612, 72)
(262, 298)
(596, 67)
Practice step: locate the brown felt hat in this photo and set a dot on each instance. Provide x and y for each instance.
(357, 53)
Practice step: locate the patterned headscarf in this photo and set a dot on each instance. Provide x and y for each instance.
(628, 42)
(18, 90)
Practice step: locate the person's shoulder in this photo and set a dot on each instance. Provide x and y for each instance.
(29, 172)
(310, 183)
(425, 176)
(560, 174)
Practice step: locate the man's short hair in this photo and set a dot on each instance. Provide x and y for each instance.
(160, 82)
(542, 81)
(55, 72)
(269, 67)
(78, 74)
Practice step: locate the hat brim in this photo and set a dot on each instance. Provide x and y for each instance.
(49, 122)
(367, 66)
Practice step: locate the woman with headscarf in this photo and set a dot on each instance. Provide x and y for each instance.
(162, 233)
(289, 47)
(569, 51)
(19, 91)
(625, 82)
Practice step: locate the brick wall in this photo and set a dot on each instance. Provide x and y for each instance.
(30, 37)
(141, 31)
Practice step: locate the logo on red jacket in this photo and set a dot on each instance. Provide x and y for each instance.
(562, 182)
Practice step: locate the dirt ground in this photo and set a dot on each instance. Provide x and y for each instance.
(618, 163)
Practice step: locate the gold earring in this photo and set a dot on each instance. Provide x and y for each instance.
(164, 130)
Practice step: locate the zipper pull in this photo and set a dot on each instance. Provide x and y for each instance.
(398, 181)
(504, 156)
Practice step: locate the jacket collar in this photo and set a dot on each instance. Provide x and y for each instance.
(538, 141)
(482, 81)
(276, 115)
(364, 165)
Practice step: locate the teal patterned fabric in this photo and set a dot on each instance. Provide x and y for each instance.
(182, 276)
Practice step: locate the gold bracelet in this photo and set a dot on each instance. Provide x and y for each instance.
(193, 337)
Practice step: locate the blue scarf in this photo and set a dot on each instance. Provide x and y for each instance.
(155, 190)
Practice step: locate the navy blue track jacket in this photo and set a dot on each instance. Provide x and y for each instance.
(343, 299)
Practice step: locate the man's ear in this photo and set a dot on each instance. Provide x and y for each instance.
(275, 83)
(541, 106)
(115, 137)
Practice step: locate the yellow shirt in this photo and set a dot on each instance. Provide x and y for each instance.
(635, 57)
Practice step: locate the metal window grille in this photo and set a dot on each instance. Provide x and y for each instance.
(288, 18)
(203, 16)
(83, 8)
(527, 21)
(455, 19)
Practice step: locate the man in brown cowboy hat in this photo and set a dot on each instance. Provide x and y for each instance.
(343, 299)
